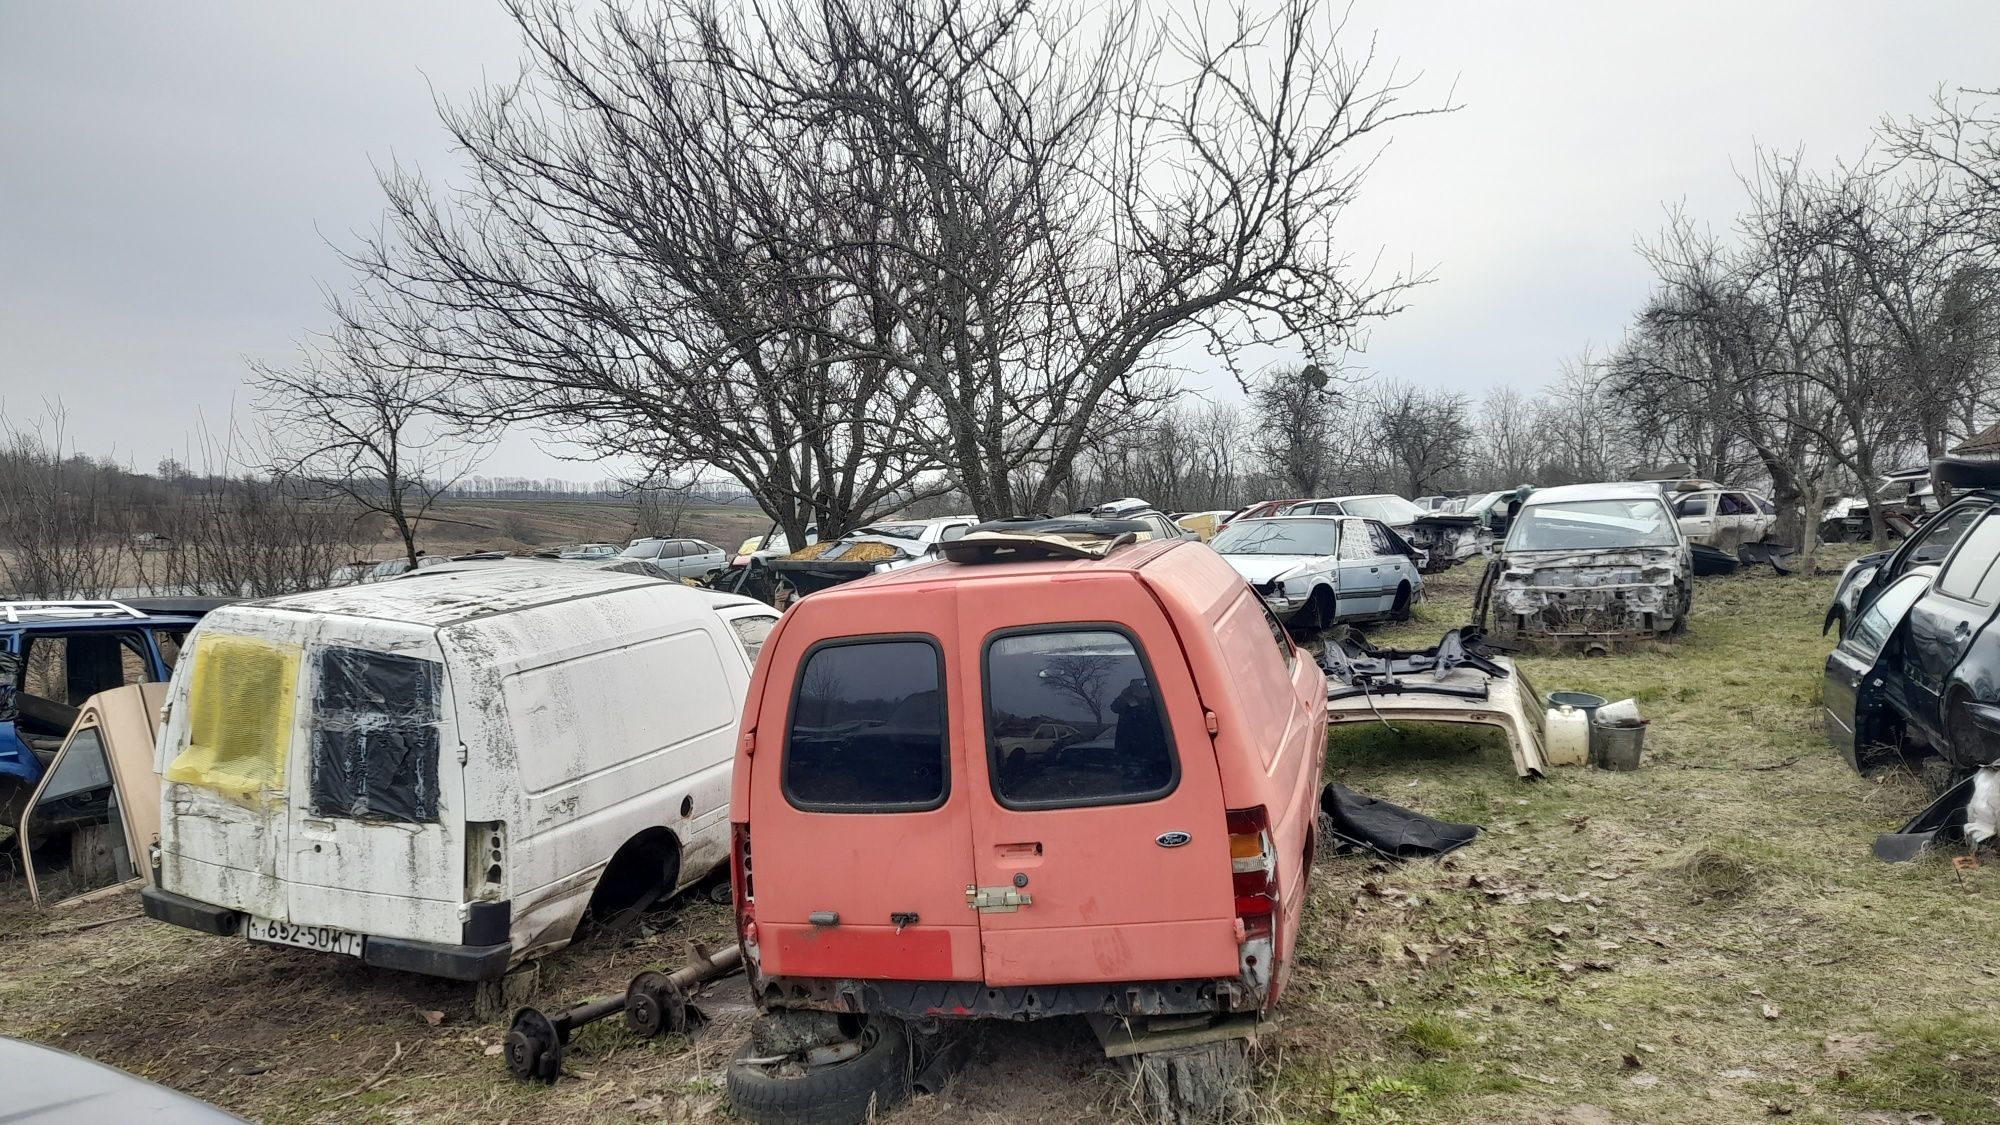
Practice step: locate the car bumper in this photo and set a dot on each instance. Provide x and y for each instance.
(485, 961)
(1284, 608)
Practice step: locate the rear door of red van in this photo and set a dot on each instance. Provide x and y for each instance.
(1100, 854)
(860, 809)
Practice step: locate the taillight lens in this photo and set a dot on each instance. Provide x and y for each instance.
(1253, 866)
(739, 863)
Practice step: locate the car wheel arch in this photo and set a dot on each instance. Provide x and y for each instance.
(647, 863)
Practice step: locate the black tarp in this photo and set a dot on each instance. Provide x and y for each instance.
(375, 736)
(1360, 821)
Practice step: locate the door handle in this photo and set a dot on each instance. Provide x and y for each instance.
(1962, 629)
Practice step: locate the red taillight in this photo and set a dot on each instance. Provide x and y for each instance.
(739, 864)
(1253, 866)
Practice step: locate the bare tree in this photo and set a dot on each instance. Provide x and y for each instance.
(1049, 260)
(855, 251)
(1081, 677)
(1425, 433)
(357, 416)
(63, 527)
(1295, 415)
(1507, 442)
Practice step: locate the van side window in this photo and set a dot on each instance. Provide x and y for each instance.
(868, 728)
(752, 632)
(375, 736)
(1094, 689)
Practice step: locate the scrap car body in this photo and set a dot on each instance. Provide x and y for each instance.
(1318, 570)
(881, 546)
(1918, 666)
(87, 826)
(1589, 566)
(1455, 681)
(1066, 780)
(56, 655)
(441, 774)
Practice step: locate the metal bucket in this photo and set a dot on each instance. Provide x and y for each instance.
(1617, 748)
(1581, 700)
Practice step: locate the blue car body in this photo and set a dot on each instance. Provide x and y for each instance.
(144, 645)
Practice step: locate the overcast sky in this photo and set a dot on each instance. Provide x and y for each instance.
(171, 174)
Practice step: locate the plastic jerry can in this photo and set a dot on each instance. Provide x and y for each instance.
(1567, 731)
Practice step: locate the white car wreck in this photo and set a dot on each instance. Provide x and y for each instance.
(1317, 570)
(1589, 566)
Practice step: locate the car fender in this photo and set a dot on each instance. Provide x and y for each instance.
(17, 761)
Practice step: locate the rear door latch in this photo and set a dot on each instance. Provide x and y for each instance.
(997, 900)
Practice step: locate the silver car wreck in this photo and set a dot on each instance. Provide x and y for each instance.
(1589, 566)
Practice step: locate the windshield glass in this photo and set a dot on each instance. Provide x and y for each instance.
(1480, 503)
(894, 530)
(1278, 537)
(1392, 510)
(1593, 524)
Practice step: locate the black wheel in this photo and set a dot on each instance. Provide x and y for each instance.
(1400, 611)
(534, 1048)
(789, 1090)
(1321, 611)
(1969, 744)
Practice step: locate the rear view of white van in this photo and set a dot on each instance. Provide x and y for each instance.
(442, 774)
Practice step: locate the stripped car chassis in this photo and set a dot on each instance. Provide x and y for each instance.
(1461, 679)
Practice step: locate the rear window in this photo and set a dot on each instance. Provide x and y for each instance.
(1092, 687)
(375, 736)
(868, 728)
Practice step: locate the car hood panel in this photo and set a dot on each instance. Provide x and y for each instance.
(1259, 569)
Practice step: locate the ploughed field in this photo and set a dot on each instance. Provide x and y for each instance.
(1706, 939)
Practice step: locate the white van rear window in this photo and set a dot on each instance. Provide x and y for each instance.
(375, 736)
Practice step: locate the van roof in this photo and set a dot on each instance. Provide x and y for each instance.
(452, 597)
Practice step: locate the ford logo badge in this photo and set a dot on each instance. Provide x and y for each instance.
(1172, 839)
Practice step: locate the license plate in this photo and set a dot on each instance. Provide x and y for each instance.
(325, 939)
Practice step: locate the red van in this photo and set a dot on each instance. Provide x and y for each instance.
(1061, 772)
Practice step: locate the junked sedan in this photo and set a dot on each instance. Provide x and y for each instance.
(1316, 570)
(1589, 565)
(1918, 666)
(1441, 538)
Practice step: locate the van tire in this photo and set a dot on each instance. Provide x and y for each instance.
(843, 1093)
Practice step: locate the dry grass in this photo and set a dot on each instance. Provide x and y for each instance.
(1614, 962)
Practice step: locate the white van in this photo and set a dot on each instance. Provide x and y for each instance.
(442, 774)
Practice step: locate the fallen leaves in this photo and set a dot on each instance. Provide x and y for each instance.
(1771, 1011)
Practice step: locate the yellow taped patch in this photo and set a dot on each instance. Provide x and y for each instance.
(241, 697)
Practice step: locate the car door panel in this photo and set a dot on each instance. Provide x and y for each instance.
(1942, 622)
(1863, 683)
(1358, 589)
(1696, 515)
(1163, 911)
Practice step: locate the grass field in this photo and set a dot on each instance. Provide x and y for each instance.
(1704, 940)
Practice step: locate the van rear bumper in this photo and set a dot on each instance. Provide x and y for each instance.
(919, 1000)
(452, 962)
(188, 913)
